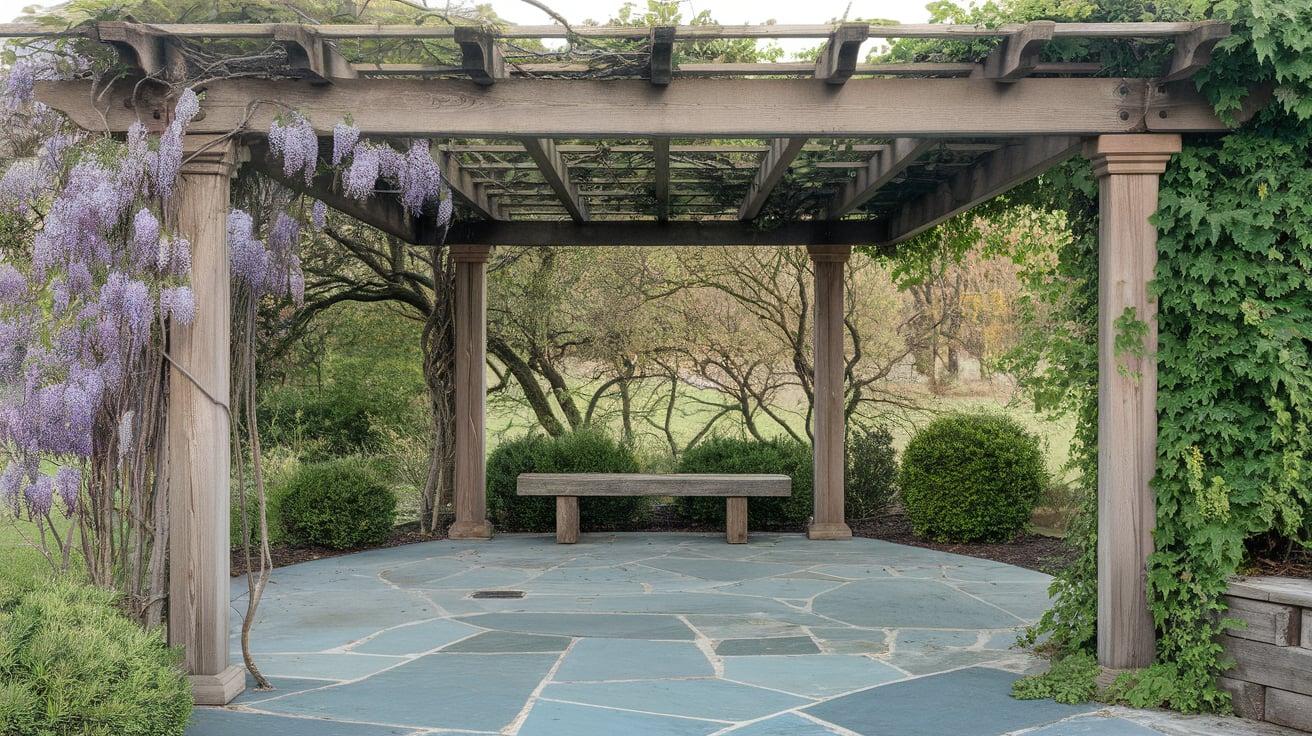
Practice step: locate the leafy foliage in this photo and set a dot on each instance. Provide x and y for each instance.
(1071, 680)
(71, 663)
(340, 504)
(972, 477)
(871, 475)
(586, 450)
(733, 455)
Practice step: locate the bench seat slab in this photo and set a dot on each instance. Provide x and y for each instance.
(645, 484)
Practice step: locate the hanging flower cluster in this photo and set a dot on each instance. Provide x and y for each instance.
(79, 319)
(273, 270)
(415, 172)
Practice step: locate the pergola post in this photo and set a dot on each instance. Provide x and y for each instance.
(197, 436)
(828, 520)
(1128, 168)
(471, 392)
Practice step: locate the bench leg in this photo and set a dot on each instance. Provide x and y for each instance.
(735, 520)
(567, 519)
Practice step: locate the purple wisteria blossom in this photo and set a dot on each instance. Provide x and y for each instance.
(20, 83)
(363, 173)
(145, 236)
(420, 179)
(249, 258)
(11, 486)
(318, 215)
(178, 304)
(187, 107)
(345, 136)
(445, 205)
(40, 495)
(298, 145)
(68, 484)
(22, 184)
(13, 285)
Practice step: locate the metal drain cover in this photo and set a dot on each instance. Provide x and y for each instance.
(497, 594)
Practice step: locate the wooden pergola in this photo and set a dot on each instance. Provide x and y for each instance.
(866, 154)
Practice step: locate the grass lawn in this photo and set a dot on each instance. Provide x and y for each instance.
(20, 563)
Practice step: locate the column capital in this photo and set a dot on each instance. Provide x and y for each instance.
(216, 155)
(829, 253)
(1131, 153)
(470, 253)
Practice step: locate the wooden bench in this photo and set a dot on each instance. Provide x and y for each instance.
(735, 489)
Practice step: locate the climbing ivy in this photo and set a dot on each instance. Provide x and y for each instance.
(1234, 291)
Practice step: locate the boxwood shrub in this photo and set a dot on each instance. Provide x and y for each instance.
(71, 663)
(971, 478)
(734, 455)
(586, 450)
(339, 503)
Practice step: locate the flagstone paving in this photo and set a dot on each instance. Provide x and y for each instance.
(658, 635)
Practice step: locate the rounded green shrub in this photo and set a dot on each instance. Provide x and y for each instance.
(733, 455)
(341, 418)
(870, 478)
(339, 504)
(71, 663)
(586, 450)
(972, 478)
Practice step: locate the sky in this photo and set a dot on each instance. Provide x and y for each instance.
(724, 11)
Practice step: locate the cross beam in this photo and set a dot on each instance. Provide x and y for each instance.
(556, 172)
(693, 108)
(883, 168)
(998, 172)
(774, 164)
(649, 232)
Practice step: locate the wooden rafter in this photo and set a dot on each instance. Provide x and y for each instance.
(480, 55)
(661, 163)
(998, 172)
(556, 173)
(661, 56)
(675, 232)
(882, 168)
(461, 181)
(837, 60)
(1018, 54)
(309, 54)
(774, 164)
(1193, 51)
(708, 108)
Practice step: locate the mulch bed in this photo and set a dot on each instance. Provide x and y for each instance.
(1031, 551)
(284, 555)
(1296, 565)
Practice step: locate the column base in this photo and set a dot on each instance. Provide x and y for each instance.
(828, 531)
(470, 530)
(218, 689)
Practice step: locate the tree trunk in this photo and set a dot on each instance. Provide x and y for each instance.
(439, 378)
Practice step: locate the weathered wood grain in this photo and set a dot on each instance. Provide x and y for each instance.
(567, 519)
(646, 484)
(828, 522)
(1277, 589)
(1128, 168)
(471, 393)
(707, 108)
(735, 520)
(774, 164)
(1273, 623)
(1289, 709)
(882, 168)
(1247, 698)
(1284, 668)
(197, 436)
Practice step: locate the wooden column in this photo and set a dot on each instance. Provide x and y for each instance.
(471, 392)
(197, 434)
(1128, 168)
(828, 520)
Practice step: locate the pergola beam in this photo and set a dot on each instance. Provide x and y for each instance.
(308, 53)
(480, 56)
(882, 168)
(660, 148)
(461, 181)
(837, 60)
(704, 108)
(1018, 54)
(1193, 51)
(650, 232)
(774, 164)
(998, 172)
(661, 56)
(555, 171)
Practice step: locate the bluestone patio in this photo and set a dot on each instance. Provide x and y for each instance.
(653, 634)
